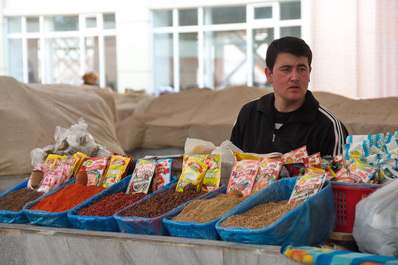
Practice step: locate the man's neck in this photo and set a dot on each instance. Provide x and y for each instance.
(283, 106)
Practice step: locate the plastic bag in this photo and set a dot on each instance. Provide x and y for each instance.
(198, 146)
(376, 221)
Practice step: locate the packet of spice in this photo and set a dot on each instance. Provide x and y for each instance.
(142, 176)
(268, 172)
(212, 177)
(118, 166)
(306, 186)
(78, 161)
(243, 175)
(315, 160)
(299, 155)
(94, 167)
(193, 172)
(162, 173)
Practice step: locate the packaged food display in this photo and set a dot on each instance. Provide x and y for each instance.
(242, 177)
(117, 169)
(306, 186)
(193, 172)
(95, 168)
(142, 176)
(268, 173)
(162, 173)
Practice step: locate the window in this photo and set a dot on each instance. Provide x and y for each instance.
(218, 47)
(66, 48)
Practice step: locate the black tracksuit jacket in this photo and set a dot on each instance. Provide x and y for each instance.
(312, 125)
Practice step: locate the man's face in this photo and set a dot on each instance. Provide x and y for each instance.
(290, 78)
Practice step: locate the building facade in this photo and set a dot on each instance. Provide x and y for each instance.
(157, 46)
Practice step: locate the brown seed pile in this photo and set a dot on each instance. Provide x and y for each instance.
(260, 216)
(15, 200)
(204, 211)
(162, 202)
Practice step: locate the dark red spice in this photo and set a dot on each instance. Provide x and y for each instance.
(67, 198)
(110, 204)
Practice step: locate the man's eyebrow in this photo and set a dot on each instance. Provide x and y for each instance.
(290, 66)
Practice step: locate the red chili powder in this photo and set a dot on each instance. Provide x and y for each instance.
(67, 198)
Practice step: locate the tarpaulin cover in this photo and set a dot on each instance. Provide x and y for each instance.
(192, 229)
(14, 217)
(309, 224)
(98, 223)
(44, 218)
(153, 226)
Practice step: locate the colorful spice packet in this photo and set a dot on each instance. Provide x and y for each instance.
(94, 167)
(193, 172)
(212, 177)
(361, 172)
(243, 175)
(306, 186)
(142, 176)
(78, 159)
(117, 169)
(55, 173)
(268, 172)
(299, 155)
(315, 160)
(162, 173)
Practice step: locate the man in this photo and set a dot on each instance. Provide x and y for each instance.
(290, 117)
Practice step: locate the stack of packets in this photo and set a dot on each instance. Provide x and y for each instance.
(252, 173)
(370, 158)
(101, 171)
(150, 175)
(203, 171)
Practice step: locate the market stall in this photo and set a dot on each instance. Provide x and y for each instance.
(211, 191)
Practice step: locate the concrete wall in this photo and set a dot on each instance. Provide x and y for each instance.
(25, 244)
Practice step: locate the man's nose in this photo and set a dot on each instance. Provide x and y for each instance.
(294, 75)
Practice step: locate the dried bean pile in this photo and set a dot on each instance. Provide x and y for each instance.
(109, 205)
(204, 211)
(162, 202)
(260, 216)
(15, 200)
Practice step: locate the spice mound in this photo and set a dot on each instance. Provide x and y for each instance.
(15, 200)
(162, 202)
(67, 198)
(260, 216)
(110, 204)
(204, 211)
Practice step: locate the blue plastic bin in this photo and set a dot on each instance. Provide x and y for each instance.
(192, 229)
(152, 226)
(44, 218)
(309, 224)
(14, 217)
(98, 223)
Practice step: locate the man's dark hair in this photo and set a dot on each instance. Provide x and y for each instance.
(293, 45)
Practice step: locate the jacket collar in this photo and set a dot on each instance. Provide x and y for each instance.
(306, 113)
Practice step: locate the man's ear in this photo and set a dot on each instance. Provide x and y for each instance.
(268, 74)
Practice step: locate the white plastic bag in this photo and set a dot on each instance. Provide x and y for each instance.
(376, 221)
(198, 146)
